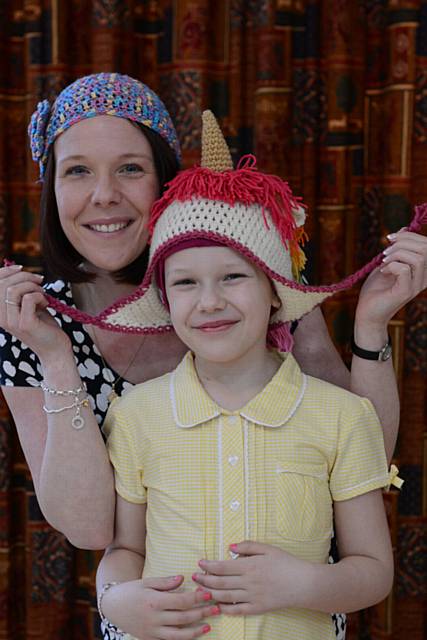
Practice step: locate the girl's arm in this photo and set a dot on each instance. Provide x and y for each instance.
(149, 608)
(402, 277)
(265, 578)
(71, 472)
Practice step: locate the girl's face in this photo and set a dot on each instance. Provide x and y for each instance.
(220, 303)
(105, 184)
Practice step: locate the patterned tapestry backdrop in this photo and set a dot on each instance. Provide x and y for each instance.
(332, 95)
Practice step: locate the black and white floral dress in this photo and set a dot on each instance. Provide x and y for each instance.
(20, 367)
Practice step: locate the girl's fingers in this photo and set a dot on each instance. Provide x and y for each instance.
(229, 596)
(191, 616)
(186, 601)
(222, 567)
(211, 581)
(172, 633)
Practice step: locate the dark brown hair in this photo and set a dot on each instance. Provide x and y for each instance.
(60, 258)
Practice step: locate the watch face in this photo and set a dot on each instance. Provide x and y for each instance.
(385, 353)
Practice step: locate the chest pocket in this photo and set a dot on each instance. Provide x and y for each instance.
(303, 502)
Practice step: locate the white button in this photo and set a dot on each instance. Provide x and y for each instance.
(233, 460)
(234, 505)
(232, 419)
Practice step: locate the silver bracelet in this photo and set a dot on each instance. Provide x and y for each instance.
(62, 392)
(77, 421)
(101, 594)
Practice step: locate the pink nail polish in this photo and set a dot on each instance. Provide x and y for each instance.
(215, 611)
(233, 547)
(206, 628)
(194, 577)
(207, 596)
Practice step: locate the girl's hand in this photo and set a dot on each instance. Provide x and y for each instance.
(402, 276)
(152, 610)
(23, 312)
(263, 578)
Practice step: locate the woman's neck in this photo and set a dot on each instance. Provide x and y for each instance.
(234, 384)
(93, 297)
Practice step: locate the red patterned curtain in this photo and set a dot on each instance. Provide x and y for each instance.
(332, 95)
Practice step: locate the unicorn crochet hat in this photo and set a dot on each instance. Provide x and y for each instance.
(251, 212)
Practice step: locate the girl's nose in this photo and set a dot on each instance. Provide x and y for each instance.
(211, 299)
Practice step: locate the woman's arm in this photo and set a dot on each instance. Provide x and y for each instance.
(317, 356)
(72, 475)
(385, 291)
(70, 469)
(151, 608)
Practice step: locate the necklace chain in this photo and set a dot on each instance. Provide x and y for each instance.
(113, 393)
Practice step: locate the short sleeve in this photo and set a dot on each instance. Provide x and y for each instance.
(122, 449)
(19, 366)
(360, 465)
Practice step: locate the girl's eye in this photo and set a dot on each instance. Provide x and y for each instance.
(184, 282)
(77, 170)
(131, 169)
(234, 276)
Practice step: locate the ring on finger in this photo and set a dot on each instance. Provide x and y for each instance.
(15, 304)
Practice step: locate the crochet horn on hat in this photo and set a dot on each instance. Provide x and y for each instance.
(251, 212)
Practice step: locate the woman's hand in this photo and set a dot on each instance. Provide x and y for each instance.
(23, 312)
(402, 276)
(263, 578)
(153, 610)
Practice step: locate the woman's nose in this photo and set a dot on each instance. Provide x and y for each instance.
(105, 191)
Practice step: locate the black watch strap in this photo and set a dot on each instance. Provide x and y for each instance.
(383, 354)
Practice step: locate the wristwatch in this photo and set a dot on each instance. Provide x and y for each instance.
(382, 355)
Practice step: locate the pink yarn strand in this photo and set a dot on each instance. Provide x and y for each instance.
(279, 337)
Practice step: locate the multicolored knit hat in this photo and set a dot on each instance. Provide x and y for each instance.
(99, 94)
(251, 212)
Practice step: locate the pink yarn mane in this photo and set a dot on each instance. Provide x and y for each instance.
(245, 185)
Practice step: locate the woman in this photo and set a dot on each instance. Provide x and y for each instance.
(100, 176)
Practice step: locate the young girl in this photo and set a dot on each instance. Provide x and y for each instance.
(237, 445)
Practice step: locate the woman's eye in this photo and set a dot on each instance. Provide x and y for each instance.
(131, 168)
(77, 170)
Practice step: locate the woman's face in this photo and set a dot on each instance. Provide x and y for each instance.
(105, 184)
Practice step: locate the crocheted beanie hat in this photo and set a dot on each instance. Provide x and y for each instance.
(248, 211)
(110, 94)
